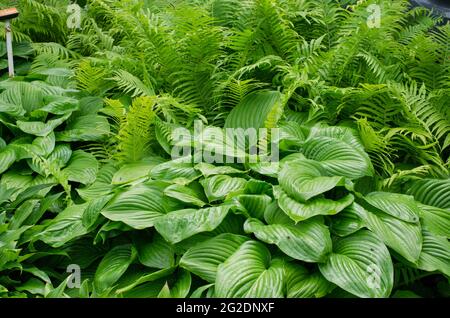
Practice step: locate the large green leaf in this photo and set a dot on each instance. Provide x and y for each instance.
(435, 254)
(175, 171)
(300, 283)
(7, 158)
(400, 206)
(434, 192)
(85, 128)
(156, 253)
(186, 194)
(209, 170)
(59, 105)
(38, 128)
(253, 205)
(305, 179)
(179, 225)
(257, 110)
(435, 220)
(139, 206)
(204, 258)
(135, 171)
(219, 186)
(403, 237)
(339, 151)
(250, 273)
(360, 264)
(307, 241)
(318, 206)
(113, 266)
(66, 226)
(82, 167)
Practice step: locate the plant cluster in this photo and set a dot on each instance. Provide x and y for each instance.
(94, 204)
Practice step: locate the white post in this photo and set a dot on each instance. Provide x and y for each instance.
(9, 48)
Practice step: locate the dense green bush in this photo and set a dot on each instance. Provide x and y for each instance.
(358, 203)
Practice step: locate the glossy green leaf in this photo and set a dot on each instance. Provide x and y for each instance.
(305, 179)
(113, 266)
(403, 237)
(400, 206)
(307, 241)
(204, 258)
(318, 206)
(82, 167)
(179, 225)
(250, 273)
(139, 206)
(360, 264)
(219, 186)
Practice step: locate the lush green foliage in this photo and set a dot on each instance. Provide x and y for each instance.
(359, 204)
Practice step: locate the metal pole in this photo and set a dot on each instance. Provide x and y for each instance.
(9, 48)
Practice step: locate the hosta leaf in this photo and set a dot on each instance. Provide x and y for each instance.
(175, 171)
(112, 266)
(346, 223)
(59, 105)
(82, 167)
(182, 286)
(256, 110)
(85, 128)
(57, 292)
(93, 209)
(305, 179)
(219, 186)
(250, 273)
(403, 237)
(435, 254)
(22, 213)
(179, 225)
(132, 279)
(66, 226)
(434, 192)
(156, 253)
(15, 110)
(139, 206)
(265, 168)
(60, 155)
(308, 241)
(318, 206)
(253, 205)
(300, 283)
(38, 128)
(291, 135)
(208, 169)
(400, 206)
(204, 258)
(435, 220)
(185, 194)
(7, 158)
(339, 151)
(198, 293)
(134, 171)
(45, 145)
(275, 215)
(360, 264)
